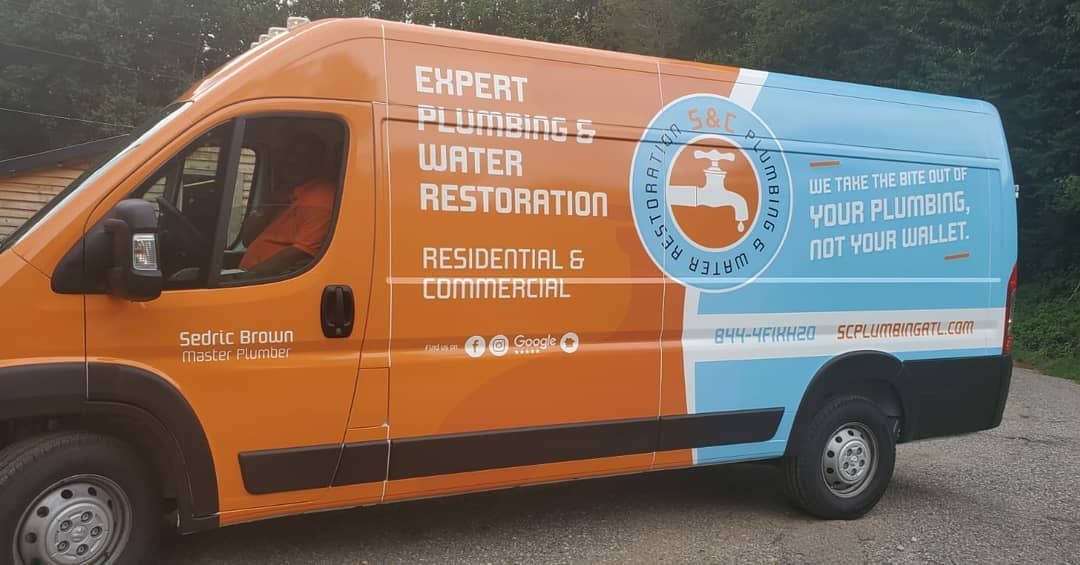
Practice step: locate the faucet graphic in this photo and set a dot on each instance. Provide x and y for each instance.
(714, 194)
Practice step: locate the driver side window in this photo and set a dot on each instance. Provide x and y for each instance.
(280, 210)
(186, 193)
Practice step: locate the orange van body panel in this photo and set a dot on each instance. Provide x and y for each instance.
(369, 406)
(387, 372)
(49, 328)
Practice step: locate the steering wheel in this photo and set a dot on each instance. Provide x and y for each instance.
(181, 230)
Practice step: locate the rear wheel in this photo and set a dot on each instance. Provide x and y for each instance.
(843, 459)
(77, 498)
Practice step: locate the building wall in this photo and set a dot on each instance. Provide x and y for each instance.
(25, 192)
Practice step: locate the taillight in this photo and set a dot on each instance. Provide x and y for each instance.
(1010, 300)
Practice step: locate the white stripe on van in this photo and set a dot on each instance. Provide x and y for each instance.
(726, 337)
(747, 87)
(412, 281)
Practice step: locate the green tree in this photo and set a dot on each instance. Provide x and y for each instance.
(107, 63)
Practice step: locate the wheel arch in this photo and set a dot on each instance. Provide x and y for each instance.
(867, 373)
(132, 404)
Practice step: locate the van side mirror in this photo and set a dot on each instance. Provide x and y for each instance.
(133, 273)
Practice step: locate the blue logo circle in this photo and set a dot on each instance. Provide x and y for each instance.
(679, 125)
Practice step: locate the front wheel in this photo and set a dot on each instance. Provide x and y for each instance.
(74, 498)
(843, 461)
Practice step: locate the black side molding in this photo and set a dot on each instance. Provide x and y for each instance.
(362, 463)
(308, 467)
(439, 455)
(458, 453)
(718, 428)
(277, 470)
(316, 466)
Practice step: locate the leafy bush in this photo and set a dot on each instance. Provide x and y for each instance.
(1046, 325)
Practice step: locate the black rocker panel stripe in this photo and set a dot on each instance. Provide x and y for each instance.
(718, 428)
(280, 470)
(458, 453)
(363, 462)
(293, 468)
(298, 468)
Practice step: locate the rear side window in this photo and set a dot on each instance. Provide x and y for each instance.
(286, 186)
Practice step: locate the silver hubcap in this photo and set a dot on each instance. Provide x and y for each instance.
(81, 519)
(849, 459)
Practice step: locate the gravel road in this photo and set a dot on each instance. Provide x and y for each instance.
(1007, 495)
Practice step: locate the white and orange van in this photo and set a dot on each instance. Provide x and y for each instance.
(367, 262)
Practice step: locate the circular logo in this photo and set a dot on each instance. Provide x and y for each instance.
(475, 346)
(711, 193)
(569, 342)
(500, 344)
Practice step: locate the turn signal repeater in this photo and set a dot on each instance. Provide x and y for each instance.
(144, 255)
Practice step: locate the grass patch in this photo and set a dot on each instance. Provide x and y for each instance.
(1067, 367)
(1046, 326)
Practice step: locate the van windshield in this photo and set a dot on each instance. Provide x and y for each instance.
(104, 163)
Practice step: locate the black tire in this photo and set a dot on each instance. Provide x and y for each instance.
(805, 468)
(31, 467)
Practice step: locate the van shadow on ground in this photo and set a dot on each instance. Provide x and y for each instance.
(755, 487)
